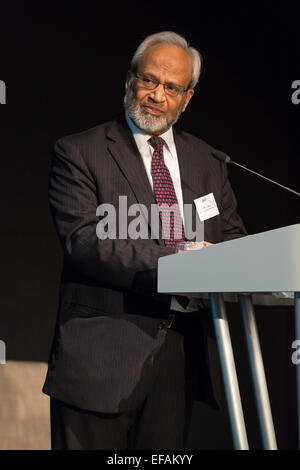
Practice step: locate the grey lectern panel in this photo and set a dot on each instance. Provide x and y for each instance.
(265, 262)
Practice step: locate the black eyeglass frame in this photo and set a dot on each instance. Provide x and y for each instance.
(180, 90)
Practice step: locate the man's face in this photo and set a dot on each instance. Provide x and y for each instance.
(154, 111)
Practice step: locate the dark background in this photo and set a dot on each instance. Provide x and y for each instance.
(64, 65)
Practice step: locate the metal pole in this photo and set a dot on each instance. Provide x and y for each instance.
(258, 374)
(229, 372)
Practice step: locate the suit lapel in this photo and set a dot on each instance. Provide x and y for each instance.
(190, 174)
(123, 149)
(189, 168)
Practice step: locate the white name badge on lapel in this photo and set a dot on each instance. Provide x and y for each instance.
(206, 207)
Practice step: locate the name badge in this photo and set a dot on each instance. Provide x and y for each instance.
(206, 207)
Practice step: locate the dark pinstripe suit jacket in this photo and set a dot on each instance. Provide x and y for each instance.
(109, 322)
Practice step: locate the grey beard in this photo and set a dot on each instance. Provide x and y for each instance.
(146, 122)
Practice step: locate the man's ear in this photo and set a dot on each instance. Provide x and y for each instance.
(189, 95)
(128, 78)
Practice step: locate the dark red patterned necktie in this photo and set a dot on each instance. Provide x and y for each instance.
(165, 195)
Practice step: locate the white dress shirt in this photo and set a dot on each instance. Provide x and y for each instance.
(170, 157)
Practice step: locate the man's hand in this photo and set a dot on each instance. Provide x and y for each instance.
(194, 246)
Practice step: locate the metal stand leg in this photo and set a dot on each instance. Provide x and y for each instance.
(229, 372)
(297, 332)
(258, 374)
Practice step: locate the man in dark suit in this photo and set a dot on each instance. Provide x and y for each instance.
(126, 362)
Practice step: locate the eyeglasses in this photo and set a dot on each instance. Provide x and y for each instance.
(150, 83)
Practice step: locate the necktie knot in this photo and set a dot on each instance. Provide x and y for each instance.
(156, 142)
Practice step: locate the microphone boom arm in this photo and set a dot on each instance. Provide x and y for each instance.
(225, 158)
(265, 178)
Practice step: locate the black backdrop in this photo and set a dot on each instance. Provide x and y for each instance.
(64, 65)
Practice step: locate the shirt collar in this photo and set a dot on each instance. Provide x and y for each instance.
(141, 137)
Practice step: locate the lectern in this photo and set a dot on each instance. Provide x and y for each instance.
(249, 270)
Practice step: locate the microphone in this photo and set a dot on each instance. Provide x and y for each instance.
(225, 158)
